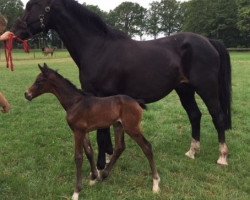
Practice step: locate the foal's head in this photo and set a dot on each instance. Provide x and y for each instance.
(43, 83)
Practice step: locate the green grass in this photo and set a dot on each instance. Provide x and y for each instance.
(36, 145)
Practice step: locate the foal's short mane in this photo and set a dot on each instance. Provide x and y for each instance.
(67, 82)
(88, 17)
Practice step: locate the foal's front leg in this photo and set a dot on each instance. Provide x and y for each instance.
(90, 156)
(78, 161)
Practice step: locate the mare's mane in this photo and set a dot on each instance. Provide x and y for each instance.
(92, 20)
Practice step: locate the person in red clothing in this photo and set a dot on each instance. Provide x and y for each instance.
(3, 24)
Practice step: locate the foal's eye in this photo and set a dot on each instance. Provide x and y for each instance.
(39, 83)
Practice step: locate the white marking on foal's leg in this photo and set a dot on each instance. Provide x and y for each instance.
(94, 181)
(75, 196)
(223, 155)
(194, 148)
(156, 188)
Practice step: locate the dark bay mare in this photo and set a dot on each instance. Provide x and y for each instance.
(111, 63)
(86, 113)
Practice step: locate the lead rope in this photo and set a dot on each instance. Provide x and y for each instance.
(8, 48)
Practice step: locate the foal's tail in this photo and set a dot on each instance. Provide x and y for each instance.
(225, 85)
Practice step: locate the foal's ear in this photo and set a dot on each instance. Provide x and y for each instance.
(40, 67)
(43, 69)
(45, 66)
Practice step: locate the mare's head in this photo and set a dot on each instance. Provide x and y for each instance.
(35, 19)
(43, 83)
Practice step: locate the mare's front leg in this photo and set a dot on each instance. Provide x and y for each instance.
(90, 156)
(119, 148)
(104, 146)
(79, 136)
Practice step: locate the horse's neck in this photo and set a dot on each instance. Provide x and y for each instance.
(77, 38)
(66, 95)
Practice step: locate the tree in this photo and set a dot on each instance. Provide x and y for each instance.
(153, 19)
(11, 9)
(128, 17)
(244, 19)
(170, 16)
(244, 22)
(214, 19)
(97, 10)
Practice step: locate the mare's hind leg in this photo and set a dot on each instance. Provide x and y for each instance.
(119, 148)
(90, 156)
(211, 98)
(187, 98)
(147, 150)
(104, 146)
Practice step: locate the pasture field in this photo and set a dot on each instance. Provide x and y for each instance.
(37, 154)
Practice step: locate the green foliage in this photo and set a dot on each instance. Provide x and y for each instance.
(217, 19)
(153, 19)
(37, 148)
(128, 17)
(170, 16)
(11, 9)
(98, 11)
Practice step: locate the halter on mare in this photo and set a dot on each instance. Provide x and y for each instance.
(41, 19)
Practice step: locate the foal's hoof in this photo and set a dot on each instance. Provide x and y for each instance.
(104, 174)
(222, 161)
(92, 182)
(190, 154)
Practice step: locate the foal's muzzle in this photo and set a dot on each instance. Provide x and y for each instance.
(28, 96)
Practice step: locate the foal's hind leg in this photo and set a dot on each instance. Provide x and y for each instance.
(211, 99)
(187, 98)
(119, 148)
(147, 150)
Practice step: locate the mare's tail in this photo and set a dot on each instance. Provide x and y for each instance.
(225, 84)
(142, 103)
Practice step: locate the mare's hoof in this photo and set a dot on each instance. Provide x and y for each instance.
(156, 188)
(190, 154)
(108, 158)
(222, 161)
(75, 196)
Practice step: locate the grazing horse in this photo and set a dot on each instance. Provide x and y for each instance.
(47, 50)
(4, 104)
(112, 63)
(87, 113)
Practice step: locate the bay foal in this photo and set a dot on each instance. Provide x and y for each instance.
(86, 113)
